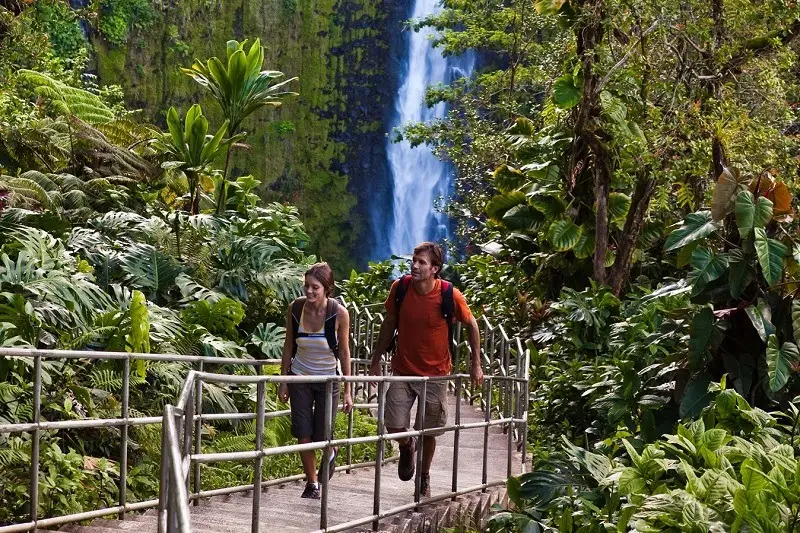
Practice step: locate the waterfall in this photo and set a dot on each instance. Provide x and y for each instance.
(418, 177)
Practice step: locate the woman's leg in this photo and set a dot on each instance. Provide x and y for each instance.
(309, 460)
(302, 404)
(319, 417)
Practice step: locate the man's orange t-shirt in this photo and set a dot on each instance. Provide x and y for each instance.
(422, 339)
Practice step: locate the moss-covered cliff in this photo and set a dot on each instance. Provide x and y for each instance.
(307, 151)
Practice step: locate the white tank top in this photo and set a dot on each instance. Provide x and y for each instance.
(313, 357)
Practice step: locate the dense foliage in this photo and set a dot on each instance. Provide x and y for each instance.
(625, 195)
(625, 183)
(114, 236)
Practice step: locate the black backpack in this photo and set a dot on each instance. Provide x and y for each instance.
(448, 308)
(331, 311)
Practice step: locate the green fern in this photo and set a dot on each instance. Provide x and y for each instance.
(67, 100)
(109, 380)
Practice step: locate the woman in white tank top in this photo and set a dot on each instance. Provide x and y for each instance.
(317, 342)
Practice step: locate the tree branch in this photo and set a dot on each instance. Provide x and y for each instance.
(624, 59)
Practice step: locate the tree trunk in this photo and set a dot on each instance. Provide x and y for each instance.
(634, 222)
(590, 153)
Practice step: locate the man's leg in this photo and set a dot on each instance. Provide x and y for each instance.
(397, 418)
(428, 450)
(435, 417)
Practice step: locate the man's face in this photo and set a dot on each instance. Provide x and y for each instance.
(422, 269)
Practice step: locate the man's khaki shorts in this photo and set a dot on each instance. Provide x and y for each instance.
(400, 399)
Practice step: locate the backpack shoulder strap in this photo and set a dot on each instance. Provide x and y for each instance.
(448, 312)
(402, 288)
(448, 301)
(297, 312)
(331, 312)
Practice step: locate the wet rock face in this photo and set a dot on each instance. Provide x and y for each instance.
(372, 53)
(346, 54)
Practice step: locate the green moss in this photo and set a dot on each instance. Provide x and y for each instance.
(110, 64)
(294, 165)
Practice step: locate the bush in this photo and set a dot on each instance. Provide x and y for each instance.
(62, 26)
(119, 17)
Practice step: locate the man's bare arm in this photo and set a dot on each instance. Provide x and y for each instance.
(384, 337)
(474, 337)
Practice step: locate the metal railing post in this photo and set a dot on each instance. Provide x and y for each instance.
(456, 435)
(123, 451)
(381, 445)
(526, 388)
(420, 421)
(260, 408)
(510, 435)
(487, 417)
(188, 427)
(198, 430)
(163, 493)
(323, 511)
(36, 438)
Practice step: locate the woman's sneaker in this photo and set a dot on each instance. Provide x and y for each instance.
(405, 470)
(311, 491)
(331, 464)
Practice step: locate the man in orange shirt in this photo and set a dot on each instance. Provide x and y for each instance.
(422, 350)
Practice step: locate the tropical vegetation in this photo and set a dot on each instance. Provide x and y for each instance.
(625, 201)
(116, 236)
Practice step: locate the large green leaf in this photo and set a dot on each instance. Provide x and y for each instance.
(796, 320)
(780, 362)
(726, 190)
(507, 178)
(760, 316)
(696, 396)
(564, 234)
(700, 332)
(740, 274)
(708, 266)
(585, 246)
(565, 93)
(695, 226)
(618, 205)
(550, 206)
(501, 203)
(523, 217)
(770, 256)
(751, 214)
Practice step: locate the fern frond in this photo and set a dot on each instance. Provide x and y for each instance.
(106, 379)
(67, 100)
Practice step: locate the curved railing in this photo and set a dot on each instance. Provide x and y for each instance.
(504, 361)
(181, 450)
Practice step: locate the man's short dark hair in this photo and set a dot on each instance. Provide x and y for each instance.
(434, 251)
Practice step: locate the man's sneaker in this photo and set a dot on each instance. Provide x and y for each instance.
(331, 464)
(311, 491)
(425, 485)
(405, 470)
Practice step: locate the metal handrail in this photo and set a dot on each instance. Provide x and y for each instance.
(365, 324)
(170, 510)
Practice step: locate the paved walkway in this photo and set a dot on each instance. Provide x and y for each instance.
(351, 495)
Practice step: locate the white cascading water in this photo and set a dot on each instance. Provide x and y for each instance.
(418, 177)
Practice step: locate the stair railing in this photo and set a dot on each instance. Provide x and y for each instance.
(40, 361)
(177, 456)
(500, 355)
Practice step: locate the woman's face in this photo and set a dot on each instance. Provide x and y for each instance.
(313, 289)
